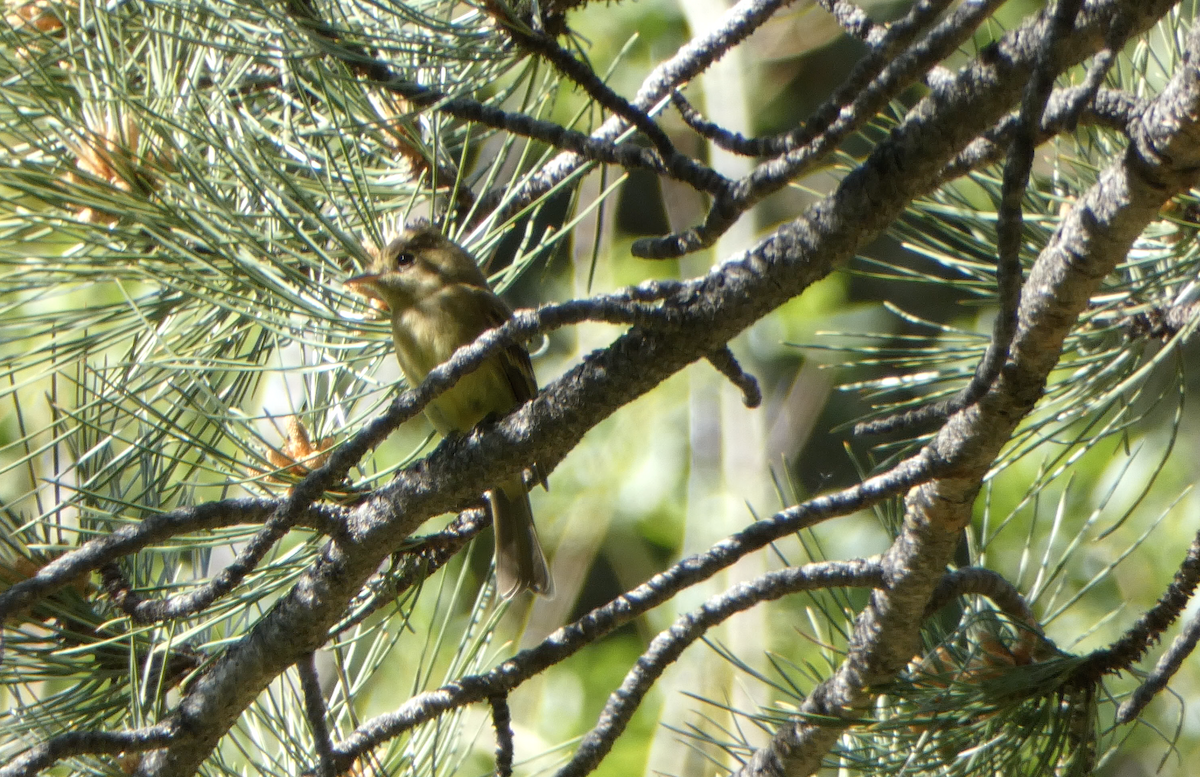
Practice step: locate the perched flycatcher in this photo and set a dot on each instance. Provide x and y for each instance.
(440, 300)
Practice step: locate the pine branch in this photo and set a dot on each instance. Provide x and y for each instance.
(42, 756)
(314, 703)
(886, 43)
(603, 620)
(670, 644)
(796, 156)
(671, 325)
(1010, 224)
(1088, 244)
(129, 539)
(691, 60)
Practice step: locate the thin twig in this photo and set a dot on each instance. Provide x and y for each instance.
(853, 20)
(1002, 593)
(985, 582)
(1010, 226)
(602, 620)
(863, 79)
(772, 176)
(331, 41)
(669, 645)
(1110, 108)
(1118, 33)
(416, 564)
(73, 743)
(95, 553)
(582, 74)
(731, 141)
(152, 610)
(690, 61)
(1122, 654)
(1010, 229)
(502, 727)
(727, 364)
(314, 708)
(1168, 664)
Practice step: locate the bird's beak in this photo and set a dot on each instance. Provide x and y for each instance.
(364, 284)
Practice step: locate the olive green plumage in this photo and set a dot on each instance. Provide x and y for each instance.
(439, 300)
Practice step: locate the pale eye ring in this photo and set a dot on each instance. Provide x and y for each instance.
(404, 259)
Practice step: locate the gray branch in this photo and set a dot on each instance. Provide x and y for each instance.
(603, 620)
(705, 314)
(687, 322)
(688, 628)
(1097, 233)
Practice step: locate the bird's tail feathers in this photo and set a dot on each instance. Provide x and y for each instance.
(520, 563)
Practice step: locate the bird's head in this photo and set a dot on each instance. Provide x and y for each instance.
(418, 264)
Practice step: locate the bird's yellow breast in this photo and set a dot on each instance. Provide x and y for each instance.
(476, 396)
(427, 336)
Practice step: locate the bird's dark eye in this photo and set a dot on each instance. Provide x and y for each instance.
(404, 259)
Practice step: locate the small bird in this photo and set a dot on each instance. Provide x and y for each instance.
(439, 300)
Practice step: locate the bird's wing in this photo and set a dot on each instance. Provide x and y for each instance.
(514, 359)
(519, 371)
